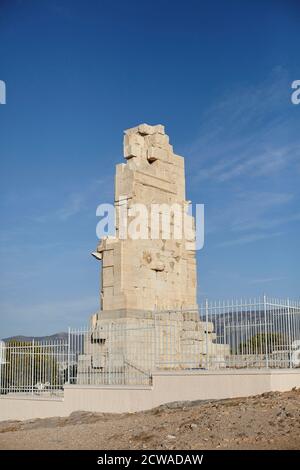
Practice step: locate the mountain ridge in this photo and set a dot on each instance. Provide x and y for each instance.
(60, 336)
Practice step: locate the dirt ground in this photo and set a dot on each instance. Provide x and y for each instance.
(268, 421)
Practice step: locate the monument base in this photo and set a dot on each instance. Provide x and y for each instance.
(127, 345)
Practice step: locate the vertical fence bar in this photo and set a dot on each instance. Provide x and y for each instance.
(289, 333)
(266, 332)
(68, 356)
(156, 342)
(32, 368)
(206, 333)
(109, 353)
(2, 362)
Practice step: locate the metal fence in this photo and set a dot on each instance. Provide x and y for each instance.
(33, 368)
(261, 333)
(113, 353)
(254, 334)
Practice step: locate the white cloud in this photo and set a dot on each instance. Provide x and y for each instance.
(79, 201)
(249, 239)
(266, 280)
(247, 133)
(74, 205)
(248, 210)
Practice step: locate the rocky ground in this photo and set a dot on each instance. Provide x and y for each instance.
(268, 421)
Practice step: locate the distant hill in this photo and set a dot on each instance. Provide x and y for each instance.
(62, 336)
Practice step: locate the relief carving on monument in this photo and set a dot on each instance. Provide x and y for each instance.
(149, 282)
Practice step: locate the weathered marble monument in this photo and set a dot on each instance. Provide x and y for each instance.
(148, 274)
(148, 316)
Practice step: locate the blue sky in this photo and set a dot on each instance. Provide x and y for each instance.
(217, 74)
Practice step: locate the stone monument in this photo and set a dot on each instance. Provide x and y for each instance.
(148, 316)
(151, 274)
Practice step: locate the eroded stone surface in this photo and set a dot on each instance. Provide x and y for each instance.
(149, 315)
(149, 274)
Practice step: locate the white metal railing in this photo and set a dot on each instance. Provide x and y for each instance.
(33, 368)
(259, 333)
(262, 332)
(254, 334)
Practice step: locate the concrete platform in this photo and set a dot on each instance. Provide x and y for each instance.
(167, 387)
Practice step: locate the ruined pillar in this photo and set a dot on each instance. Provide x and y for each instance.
(148, 319)
(158, 271)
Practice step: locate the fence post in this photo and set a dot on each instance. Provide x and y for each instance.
(266, 334)
(289, 332)
(206, 333)
(109, 352)
(155, 339)
(69, 352)
(2, 353)
(32, 367)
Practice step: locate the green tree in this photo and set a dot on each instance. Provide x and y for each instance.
(261, 342)
(27, 364)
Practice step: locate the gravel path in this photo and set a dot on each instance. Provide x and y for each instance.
(268, 421)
